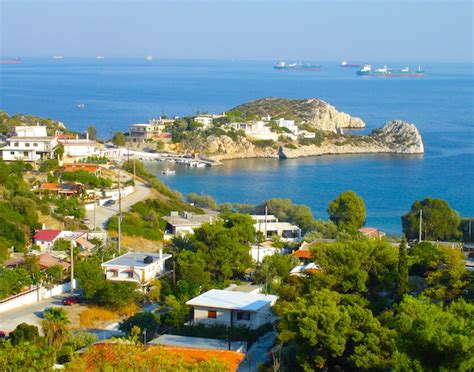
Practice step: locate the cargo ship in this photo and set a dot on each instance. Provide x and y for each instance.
(296, 66)
(348, 65)
(11, 60)
(366, 70)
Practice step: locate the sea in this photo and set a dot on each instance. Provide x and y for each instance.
(119, 92)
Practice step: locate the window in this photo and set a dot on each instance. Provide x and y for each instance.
(15, 144)
(243, 315)
(25, 154)
(27, 144)
(35, 144)
(130, 274)
(114, 273)
(12, 152)
(212, 314)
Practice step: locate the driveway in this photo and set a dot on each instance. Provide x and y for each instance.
(258, 353)
(103, 214)
(31, 314)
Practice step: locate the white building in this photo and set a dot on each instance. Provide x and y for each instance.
(181, 225)
(206, 121)
(79, 148)
(288, 124)
(29, 143)
(231, 308)
(138, 267)
(259, 251)
(154, 129)
(256, 129)
(270, 226)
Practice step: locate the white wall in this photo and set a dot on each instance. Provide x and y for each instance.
(33, 296)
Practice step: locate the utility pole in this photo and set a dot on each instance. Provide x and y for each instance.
(421, 221)
(95, 206)
(266, 216)
(258, 241)
(134, 169)
(72, 268)
(120, 213)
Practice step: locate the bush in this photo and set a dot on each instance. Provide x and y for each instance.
(263, 143)
(291, 146)
(202, 201)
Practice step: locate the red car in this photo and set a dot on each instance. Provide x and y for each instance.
(70, 300)
(3, 334)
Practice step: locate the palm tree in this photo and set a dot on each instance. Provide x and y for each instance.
(55, 326)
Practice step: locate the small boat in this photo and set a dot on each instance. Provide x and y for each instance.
(81, 105)
(169, 172)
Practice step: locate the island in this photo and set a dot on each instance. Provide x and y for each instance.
(274, 128)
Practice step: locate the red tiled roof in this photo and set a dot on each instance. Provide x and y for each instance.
(46, 261)
(302, 253)
(46, 235)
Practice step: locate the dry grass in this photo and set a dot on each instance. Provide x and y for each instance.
(50, 222)
(94, 314)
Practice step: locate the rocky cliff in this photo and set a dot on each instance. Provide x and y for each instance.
(311, 111)
(396, 137)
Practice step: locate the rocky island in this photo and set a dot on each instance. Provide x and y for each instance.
(291, 128)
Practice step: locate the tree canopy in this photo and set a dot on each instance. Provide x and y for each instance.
(347, 211)
(439, 221)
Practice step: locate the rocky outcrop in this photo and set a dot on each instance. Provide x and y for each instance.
(397, 137)
(311, 111)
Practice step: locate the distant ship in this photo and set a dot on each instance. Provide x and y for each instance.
(348, 65)
(58, 57)
(99, 57)
(81, 105)
(149, 58)
(12, 60)
(366, 70)
(282, 65)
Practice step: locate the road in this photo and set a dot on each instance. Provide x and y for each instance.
(31, 314)
(103, 214)
(258, 353)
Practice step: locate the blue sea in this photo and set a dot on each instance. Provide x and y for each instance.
(119, 92)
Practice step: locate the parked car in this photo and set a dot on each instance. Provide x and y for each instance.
(109, 203)
(70, 300)
(3, 334)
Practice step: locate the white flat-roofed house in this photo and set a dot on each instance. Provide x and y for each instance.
(255, 129)
(270, 226)
(205, 121)
(152, 130)
(138, 267)
(29, 143)
(185, 224)
(288, 124)
(233, 309)
(80, 147)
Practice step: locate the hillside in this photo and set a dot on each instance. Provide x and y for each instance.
(311, 111)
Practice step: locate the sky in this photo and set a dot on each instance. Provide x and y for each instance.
(382, 30)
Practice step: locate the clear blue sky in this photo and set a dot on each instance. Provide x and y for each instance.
(411, 31)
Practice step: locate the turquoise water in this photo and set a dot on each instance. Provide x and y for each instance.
(119, 92)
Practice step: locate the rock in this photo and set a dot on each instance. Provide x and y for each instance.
(401, 137)
(312, 111)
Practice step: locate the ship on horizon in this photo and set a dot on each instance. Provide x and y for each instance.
(366, 70)
(346, 64)
(58, 57)
(149, 58)
(282, 65)
(10, 60)
(99, 57)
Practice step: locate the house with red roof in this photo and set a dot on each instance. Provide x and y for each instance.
(371, 232)
(45, 238)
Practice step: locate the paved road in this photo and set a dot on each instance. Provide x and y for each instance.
(31, 314)
(258, 353)
(103, 214)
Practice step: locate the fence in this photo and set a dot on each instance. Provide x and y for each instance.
(33, 295)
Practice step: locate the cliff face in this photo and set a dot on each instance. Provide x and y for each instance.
(311, 111)
(396, 137)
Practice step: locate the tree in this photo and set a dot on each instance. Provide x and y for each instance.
(55, 326)
(432, 338)
(439, 221)
(90, 276)
(334, 332)
(144, 320)
(116, 295)
(202, 201)
(118, 139)
(176, 315)
(402, 277)
(26, 357)
(59, 152)
(24, 333)
(347, 211)
(92, 131)
(274, 267)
